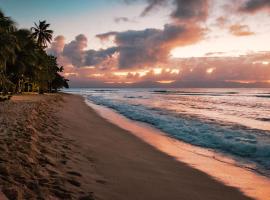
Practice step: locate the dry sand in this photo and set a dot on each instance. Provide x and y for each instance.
(55, 146)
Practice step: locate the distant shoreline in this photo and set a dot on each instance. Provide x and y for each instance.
(79, 154)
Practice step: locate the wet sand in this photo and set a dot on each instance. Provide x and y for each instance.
(57, 147)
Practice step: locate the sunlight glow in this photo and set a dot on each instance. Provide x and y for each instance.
(261, 62)
(242, 81)
(166, 81)
(119, 82)
(143, 73)
(96, 75)
(210, 70)
(90, 67)
(120, 73)
(71, 74)
(175, 71)
(157, 71)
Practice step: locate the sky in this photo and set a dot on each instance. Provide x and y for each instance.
(155, 43)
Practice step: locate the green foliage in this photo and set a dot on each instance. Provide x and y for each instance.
(24, 64)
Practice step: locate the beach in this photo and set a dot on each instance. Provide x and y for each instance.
(57, 147)
(152, 100)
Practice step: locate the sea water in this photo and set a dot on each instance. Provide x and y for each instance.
(234, 122)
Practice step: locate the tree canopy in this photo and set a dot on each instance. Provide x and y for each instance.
(24, 63)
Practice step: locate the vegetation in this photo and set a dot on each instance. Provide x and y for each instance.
(24, 63)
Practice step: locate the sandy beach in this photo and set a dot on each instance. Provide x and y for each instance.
(57, 147)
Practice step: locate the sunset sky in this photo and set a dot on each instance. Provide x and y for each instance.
(152, 43)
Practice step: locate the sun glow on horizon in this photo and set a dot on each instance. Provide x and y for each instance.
(71, 74)
(248, 81)
(166, 81)
(120, 73)
(96, 75)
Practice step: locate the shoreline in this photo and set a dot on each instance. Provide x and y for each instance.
(208, 161)
(74, 153)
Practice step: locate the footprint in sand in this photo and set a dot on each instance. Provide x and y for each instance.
(74, 173)
(101, 181)
(74, 182)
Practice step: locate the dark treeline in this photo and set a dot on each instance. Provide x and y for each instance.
(24, 63)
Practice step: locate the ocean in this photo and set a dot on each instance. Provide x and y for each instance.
(232, 122)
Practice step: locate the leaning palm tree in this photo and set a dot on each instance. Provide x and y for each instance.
(42, 34)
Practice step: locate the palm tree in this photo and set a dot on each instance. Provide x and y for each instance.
(42, 34)
(8, 47)
(23, 59)
(22, 70)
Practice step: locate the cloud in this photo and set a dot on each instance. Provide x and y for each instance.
(57, 46)
(106, 36)
(184, 10)
(139, 48)
(222, 22)
(252, 6)
(93, 57)
(235, 29)
(191, 10)
(152, 4)
(101, 66)
(142, 57)
(74, 53)
(247, 70)
(240, 30)
(123, 19)
(75, 50)
(152, 46)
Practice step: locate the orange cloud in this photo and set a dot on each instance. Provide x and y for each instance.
(240, 30)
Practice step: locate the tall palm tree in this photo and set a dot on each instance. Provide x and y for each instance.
(42, 34)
